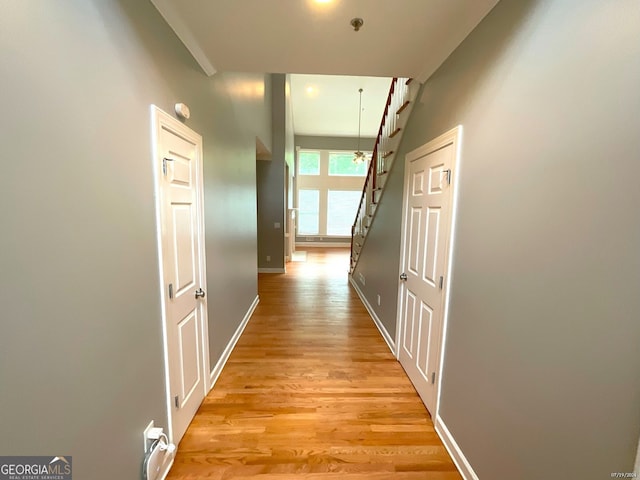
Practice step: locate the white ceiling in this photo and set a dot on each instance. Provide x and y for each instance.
(400, 38)
(327, 105)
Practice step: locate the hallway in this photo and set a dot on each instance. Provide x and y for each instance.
(312, 391)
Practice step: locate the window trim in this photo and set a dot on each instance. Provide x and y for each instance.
(324, 182)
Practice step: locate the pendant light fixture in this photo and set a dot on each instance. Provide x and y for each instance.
(359, 157)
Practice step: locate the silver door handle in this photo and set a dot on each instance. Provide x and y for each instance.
(200, 293)
(403, 277)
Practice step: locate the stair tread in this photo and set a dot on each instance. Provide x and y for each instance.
(404, 105)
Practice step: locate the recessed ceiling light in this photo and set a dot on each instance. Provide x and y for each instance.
(311, 90)
(321, 5)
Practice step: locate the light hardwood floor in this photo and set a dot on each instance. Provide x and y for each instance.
(312, 391)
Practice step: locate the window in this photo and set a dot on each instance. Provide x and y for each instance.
(309, 163)
(309, 212)
(342, 206)
(328, 190)
(341, 163)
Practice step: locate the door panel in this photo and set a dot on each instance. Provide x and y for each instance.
(410, 316)
(414, 240)
(180, 172)
(424, 338)
(184, 247)
(431, 246)
(190, 374)
(418, 183)
(426, 232)
(435, 177)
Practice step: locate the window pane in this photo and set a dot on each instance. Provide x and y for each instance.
(342, 206)
(309, 163)
(309, 212)
(342, 164)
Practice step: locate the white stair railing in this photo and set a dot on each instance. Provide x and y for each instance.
(399, 103)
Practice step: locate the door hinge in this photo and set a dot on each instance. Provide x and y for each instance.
(176, 401)
(164, 164)
(448, 173)
(433, 377)
(441, 281)
(171, 290)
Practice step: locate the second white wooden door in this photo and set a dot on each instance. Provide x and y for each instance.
(427, 209)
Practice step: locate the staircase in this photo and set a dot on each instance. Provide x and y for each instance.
(399, 104)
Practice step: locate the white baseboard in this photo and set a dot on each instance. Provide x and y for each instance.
(454, 450)
(272, 270)
(217, 370)
(383, 331)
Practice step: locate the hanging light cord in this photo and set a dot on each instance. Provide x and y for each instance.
(359, 119)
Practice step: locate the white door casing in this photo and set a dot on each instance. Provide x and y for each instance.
(177, 156)
(428, 211)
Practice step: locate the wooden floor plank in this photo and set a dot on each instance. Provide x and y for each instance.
(311, 391)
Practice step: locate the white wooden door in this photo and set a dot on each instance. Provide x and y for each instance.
(178, 157)
(427, 214)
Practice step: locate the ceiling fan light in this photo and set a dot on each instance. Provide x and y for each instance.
(359, 157)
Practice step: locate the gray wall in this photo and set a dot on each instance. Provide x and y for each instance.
(81, 369)
(232, 121)
(337, 143)
(271, 177)
(542, 367)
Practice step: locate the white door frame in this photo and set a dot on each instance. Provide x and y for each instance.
(453, 136)
(159, 120)
(636, 469)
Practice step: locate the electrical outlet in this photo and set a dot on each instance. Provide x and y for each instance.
(378, 299)
(145, 436)
(361, 278)
(276, 225)
(268, 258)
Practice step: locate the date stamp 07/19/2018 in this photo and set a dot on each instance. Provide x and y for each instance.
(623, 475)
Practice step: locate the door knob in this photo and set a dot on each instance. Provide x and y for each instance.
(200, 293)
(403, 277)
